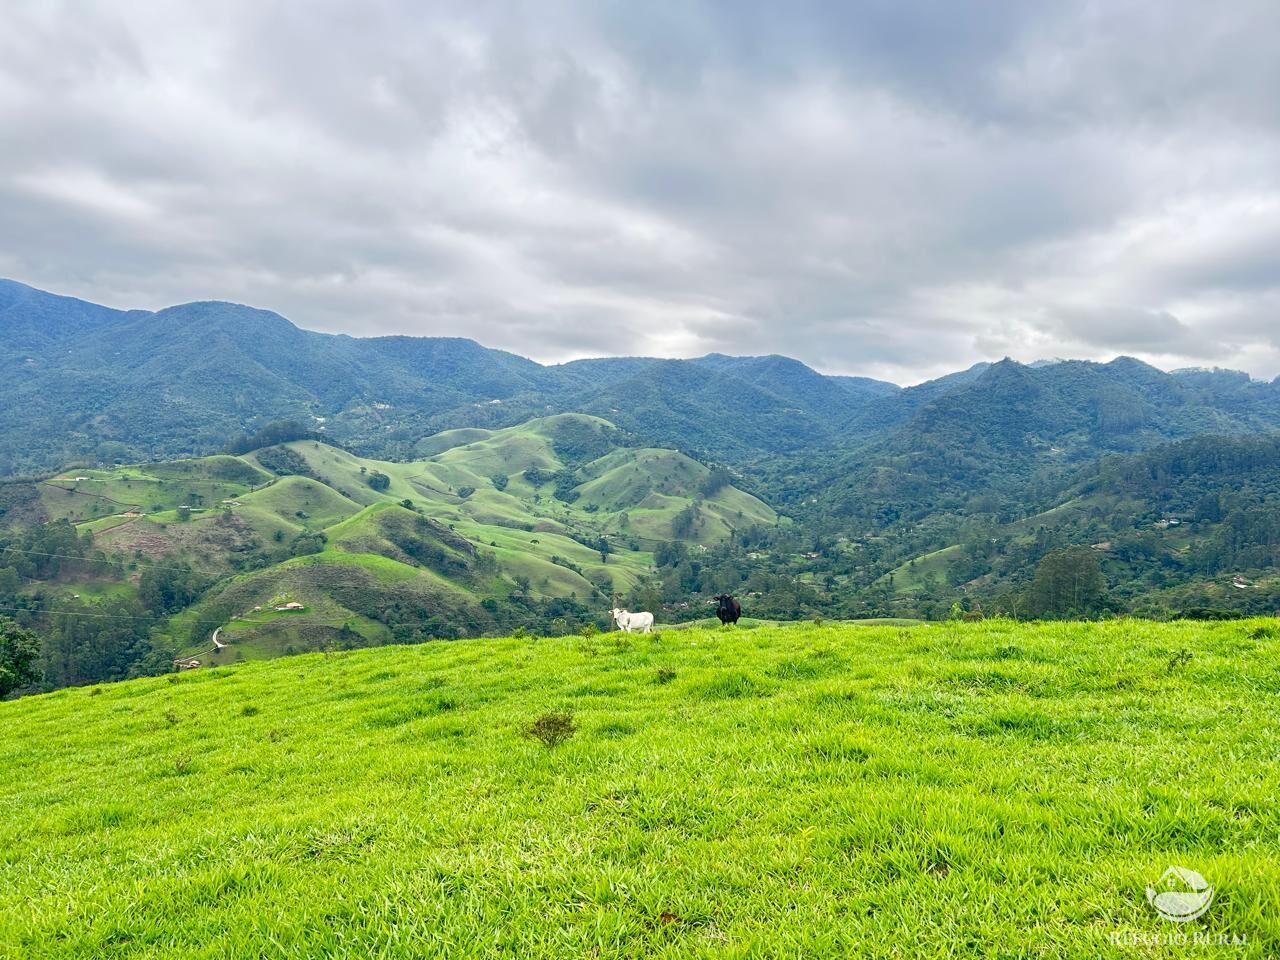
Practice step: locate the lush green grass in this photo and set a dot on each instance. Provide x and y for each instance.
(978, 790)
(302, 502)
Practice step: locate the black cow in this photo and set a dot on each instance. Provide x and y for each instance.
(729, 609)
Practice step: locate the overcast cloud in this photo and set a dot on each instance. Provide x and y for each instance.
(883, 188)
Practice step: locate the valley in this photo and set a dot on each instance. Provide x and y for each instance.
(491, 531)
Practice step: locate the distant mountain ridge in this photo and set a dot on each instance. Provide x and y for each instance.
(85, 383)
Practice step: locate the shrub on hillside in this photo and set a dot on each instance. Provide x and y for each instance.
(552, 729)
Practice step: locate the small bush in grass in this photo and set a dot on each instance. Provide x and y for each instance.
(519, 633)
(590, 630)
(664, 675)
(552, 729)
(1179, 659)
(182, 764)
(249, 710)
(1264, 632)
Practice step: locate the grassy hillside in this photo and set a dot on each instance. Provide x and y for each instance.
(950, 790)
(486, 532)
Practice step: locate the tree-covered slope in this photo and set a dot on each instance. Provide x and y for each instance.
(1188, 526)
(997, 431)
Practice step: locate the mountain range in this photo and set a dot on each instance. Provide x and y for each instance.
(87, 383)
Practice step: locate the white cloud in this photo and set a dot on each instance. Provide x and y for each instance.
(866, 187)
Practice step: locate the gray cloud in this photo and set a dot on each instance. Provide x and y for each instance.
(874, 188)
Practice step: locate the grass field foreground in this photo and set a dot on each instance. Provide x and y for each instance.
(990, 789)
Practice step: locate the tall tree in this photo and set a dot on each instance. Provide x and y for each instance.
(19, 653)
(1067, 583)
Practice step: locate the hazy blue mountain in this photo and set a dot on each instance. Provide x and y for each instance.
(998, 427)
(80, 382)
(33, 319)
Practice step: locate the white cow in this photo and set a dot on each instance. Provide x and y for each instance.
(633, 621)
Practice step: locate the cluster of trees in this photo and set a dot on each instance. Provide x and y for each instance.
(281, 431)
(19, 657)
(80, 640)
(565, 481)
(284, 461)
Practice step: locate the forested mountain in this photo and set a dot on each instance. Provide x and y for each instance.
(87, 383)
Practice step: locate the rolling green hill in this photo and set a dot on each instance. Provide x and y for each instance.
(950, 790)
(545, 521)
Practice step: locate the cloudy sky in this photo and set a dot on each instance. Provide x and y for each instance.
(886, 188)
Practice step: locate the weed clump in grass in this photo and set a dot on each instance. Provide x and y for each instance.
(1264, 632)
(249, 710)
(1179, 659)
(731, 686)
(589, 630)
(615, 729)
(664, 675)
(519, 633)
(621, 642)
(552, 729)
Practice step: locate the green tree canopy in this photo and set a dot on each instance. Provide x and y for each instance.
(19, 654)
(1068, 583)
